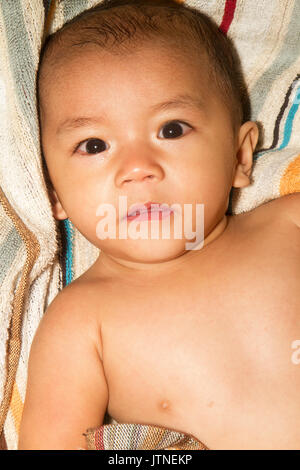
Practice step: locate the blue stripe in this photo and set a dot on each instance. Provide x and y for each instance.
(288, 127)
(70, 232)
(290, 119)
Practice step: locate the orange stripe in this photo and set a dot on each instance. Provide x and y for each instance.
(16, 407)
(290, 181)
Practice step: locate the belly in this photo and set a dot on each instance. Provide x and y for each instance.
(223, 380)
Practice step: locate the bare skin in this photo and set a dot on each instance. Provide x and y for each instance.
(212, 349)
(212, 352)
(196, 341)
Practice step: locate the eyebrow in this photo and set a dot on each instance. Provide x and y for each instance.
(75, 123)
(180, 101)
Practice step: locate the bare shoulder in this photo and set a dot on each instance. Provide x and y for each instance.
(66, 390)
(282, 208)
(288, 207)
(75, 303)
(72, 309)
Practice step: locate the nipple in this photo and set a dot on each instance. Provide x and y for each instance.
(164, 404)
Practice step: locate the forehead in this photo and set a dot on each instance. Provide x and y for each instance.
(151, 67)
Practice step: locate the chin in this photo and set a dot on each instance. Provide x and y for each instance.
(148, 251)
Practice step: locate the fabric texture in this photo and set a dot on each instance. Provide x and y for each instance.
(40, 256)
(140, 437)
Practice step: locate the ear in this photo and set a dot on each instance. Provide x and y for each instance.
(57, 209)
(247, 140)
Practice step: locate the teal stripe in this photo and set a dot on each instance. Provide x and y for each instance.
(8, 251)
(289, 52)
(289, 121)
(21, 62)
(72, 9)
(288, 126)
(70, 232)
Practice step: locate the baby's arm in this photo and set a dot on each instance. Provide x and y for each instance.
(66, 391)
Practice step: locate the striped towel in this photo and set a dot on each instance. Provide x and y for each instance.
(39, 255)
(140, 437)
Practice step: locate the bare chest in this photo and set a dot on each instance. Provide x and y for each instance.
(198, 351)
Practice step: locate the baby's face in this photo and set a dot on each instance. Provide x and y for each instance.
(148, 126)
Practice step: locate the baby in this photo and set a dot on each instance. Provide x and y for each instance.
(144, 124)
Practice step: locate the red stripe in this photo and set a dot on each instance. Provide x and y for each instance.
(228, 15)
(99, 439)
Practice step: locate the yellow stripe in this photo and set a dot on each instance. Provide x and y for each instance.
(290, 181)
(16, 407)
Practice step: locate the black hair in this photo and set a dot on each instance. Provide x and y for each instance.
(116, 24)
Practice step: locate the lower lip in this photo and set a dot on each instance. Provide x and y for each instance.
(151, 215)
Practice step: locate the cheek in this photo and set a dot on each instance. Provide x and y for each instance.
(82, 198)
(207, 178)
(75, 193)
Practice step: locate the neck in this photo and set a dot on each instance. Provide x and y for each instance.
(118, 266)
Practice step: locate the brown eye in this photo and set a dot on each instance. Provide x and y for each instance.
(174, 129)
(92, 146)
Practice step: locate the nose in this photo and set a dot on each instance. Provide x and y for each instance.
(138, 168)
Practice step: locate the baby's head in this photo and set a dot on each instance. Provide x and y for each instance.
(142, 99)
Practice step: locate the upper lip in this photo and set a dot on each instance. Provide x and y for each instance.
(140, 208)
